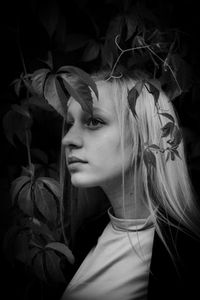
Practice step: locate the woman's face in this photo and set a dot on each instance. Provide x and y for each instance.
(96, 141)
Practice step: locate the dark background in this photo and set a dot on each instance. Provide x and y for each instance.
(25, 17)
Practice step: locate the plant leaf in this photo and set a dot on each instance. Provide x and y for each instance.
(52, 184)
(39, 228)
(131, 23)
(81, 93)
(38, 80)
(91, 52)
(85, 77)
(25, 200)
(39, 102)
(49, 15)
(17, 185)
(15, 124)
(21, 246)
(53, 267)
(8, 242)
(62, 93)
(45, 202)
(75, 41)
(63, 249)
(21, 109)
(33, 251)
(51, 94)
(38, 266)
(39, 155)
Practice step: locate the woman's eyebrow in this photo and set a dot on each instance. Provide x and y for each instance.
(96, 109)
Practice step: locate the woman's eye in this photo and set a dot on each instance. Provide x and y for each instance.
(94, 123)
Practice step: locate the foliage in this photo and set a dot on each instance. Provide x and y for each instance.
(36, 236)
(130, 36)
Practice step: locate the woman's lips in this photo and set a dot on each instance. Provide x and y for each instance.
(74, 159)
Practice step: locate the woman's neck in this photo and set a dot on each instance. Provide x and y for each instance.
(132, 207)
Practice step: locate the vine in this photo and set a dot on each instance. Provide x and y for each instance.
(168, 130)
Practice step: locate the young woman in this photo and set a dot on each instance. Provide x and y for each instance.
(146, 244)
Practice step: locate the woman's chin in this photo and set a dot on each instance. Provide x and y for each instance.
(79, 182)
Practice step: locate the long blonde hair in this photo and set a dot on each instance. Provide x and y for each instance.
(167, 187)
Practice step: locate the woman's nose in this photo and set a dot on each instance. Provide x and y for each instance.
(73, 137)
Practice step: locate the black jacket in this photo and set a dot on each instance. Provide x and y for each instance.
(178, 277)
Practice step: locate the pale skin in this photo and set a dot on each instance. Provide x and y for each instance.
(97, 141)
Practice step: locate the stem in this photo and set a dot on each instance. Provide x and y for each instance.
(62, 175)
(28, 148)
(165, 63)
(122, 52)
(21, 54)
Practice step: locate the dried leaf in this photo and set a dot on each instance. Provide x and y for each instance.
(168, 116)
(176, 153)
(154, 91)
(133, 94)
(149, 158)
(172, 155)
(176, 137)
(167, 129)
(168, 155)
(154, 146)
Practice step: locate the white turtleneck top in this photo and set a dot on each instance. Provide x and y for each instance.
(117, 268)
